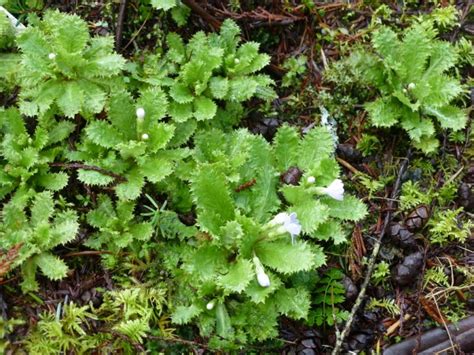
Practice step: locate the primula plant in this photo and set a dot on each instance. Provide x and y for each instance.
(210, 76)
(251, 240)
(63, 68)
(412, 76)
(36, 223)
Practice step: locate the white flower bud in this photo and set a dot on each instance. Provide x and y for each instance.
(311, 180)
(140, 113)
(404, 90)
(411, 86)
(263, 279)
(52, 56)
(236, 60)
(211, 305)
(145, 136)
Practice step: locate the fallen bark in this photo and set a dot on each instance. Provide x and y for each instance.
(436, 340)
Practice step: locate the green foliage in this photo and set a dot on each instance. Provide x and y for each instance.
(412, 196)
(210, 75)
(448, 226)
(25, 157)
(329, 292)
(295, 67)
(7, 32)
(381, 272)
(411, 76)
(65, 70)
(385, 303)
(116, 226)
(220, 277)
(33, 221)
(130, 313)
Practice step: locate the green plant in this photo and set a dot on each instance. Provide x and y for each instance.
(295, 67)
(7, 32)
(412, 196)
(411, 76)
(129, 147)
(232, 271)
(63, 69)
(329, 292)
(381, 272)
(448, 226)
(179, 11)
(32, 221)
(25, 158)
(437, 276)
(210, 76)
(385, 303)
(116, 226)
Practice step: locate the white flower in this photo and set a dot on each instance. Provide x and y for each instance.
(311, 180)
(236, 60)
(52, 56)
(211, 305)
(145, 136)
(411, 86)
(288, 223)
(335, 190)
(262, 278)
(140, 113)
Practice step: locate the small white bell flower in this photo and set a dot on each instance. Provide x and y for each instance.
(140, 113)
(236, 60)
(411, 86)
(335, 190)
(211, 305)
(311, 180)
(262, 278)
(288, 223)
(145, 136)
(52, 56)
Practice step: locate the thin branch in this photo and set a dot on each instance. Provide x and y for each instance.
(373, 258)
(119, 30)
(117, 177)
(215, 23)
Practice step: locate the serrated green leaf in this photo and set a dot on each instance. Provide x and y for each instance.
(237, 277)
(184, 314)
(163, 4)
(285, 257)
(90, 177)
(213, 203)
(131, 189)
(72, 99)
(449, 117)
(51, 266)
(204, 108)
(259, 294)
(285, 147)
(181, 93)
(293, 302)
(103, 134)
(351, 208)
(311, 213)
(219, 86)
(180, 112)
(53, 181)
(316, 145)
